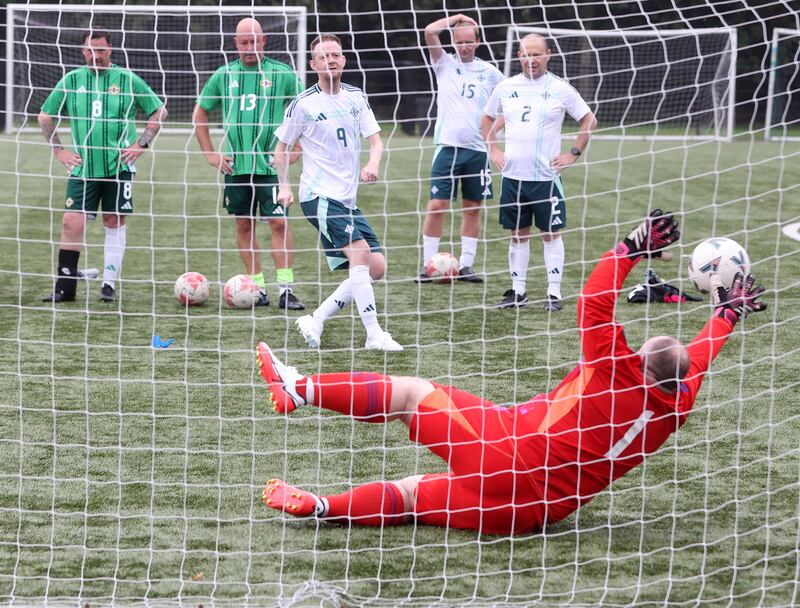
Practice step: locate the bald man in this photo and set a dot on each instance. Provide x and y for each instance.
(516, 470)
(531, 106)
(253, 92)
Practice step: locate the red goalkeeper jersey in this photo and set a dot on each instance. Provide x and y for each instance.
(601, 421)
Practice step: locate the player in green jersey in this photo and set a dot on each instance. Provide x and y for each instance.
(101, 101)
(252, 93)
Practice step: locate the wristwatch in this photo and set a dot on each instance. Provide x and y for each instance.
(143, 143)
(575, 151)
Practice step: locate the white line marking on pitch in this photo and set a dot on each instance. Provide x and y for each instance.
(792, 231)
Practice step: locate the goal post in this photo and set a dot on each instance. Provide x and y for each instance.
(784, 86)
(659, 83)
(174, 48)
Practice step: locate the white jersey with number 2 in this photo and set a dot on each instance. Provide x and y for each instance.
(534, 111)
(329, 129)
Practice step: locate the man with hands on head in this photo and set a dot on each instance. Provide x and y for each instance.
(464, 83)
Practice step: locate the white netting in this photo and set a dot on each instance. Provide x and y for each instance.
(132, 475)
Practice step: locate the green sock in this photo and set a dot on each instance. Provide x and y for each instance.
(259, 279)
(285, 276)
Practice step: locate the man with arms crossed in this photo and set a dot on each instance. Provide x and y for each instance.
(253, 92)
(516, 470)
(531, 106)
(101, 100)
(464, 84)
(328, 120)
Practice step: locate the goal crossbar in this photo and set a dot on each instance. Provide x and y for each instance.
(516, 32)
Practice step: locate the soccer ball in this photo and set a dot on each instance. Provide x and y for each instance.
(442, 268)
(241, 292)
(191, 289)
(723, 256)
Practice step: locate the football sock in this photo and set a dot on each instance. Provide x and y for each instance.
(113, 251)
(340, 298)
(285, 278)
(519, 255)
(364, 297)
(430, 247)
(363, 395)
(67, 272)
(469, 246)
(374, 504)
(259, 279)
(554, 262)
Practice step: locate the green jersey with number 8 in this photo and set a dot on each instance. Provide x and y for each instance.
(102, 110)
(253, 100)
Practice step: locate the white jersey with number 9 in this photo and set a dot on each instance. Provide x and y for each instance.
(329, 129)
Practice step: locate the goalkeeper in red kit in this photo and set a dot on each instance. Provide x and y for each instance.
(517, 469)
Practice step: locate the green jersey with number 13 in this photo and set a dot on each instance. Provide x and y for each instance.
(253, 100)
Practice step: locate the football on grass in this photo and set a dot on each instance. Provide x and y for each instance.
(241, 292)
(191, 289)
(717, 255)
(442, 268)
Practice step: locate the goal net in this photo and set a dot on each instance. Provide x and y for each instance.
(174, 49)
(663, 83)
(136, 436)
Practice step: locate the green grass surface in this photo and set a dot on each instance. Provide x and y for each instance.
(131, 474)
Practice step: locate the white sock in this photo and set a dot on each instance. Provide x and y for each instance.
(554, 262)
(113, 253)
(519, 256)
(469, 247)
(364, 297)
(340, 298)
(430, 247)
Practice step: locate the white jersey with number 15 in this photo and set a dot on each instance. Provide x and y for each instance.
(463, 90)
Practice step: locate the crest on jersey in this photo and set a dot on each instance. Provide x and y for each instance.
(546, 95)
(70, 202)
(113, 89)
(354, 111)
(266, 83)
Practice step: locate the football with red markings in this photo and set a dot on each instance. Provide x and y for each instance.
(241, 292)
(191, 289)
(442, 268)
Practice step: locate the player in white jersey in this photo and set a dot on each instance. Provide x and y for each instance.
(328, 120)
(531, 106)
(464, 84)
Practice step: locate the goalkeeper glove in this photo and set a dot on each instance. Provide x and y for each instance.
(648, 239)
(738, 301)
